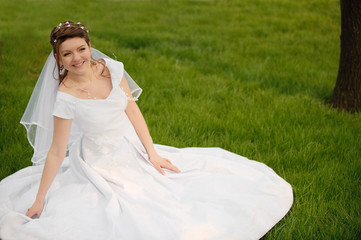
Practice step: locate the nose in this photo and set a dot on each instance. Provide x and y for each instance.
(76, 56)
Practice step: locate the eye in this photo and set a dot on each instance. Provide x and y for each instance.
(82, 49)
(66, 54)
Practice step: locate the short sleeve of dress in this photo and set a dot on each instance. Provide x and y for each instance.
(117, 70)
(64, 107)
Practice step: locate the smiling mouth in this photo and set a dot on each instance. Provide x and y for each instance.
(78, 65)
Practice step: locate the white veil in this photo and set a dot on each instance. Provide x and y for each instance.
(38, 118)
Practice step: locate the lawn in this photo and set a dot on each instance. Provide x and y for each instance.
(250, 76)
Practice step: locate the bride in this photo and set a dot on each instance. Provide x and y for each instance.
(98, 175)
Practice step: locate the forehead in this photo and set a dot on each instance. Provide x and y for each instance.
(72, 44)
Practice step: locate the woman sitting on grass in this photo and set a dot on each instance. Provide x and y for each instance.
(115, 183)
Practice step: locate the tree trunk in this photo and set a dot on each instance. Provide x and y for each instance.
(347, 91)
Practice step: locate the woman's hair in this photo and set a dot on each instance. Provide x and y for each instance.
(61, 33)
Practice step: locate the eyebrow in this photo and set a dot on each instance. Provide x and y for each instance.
(83, 45)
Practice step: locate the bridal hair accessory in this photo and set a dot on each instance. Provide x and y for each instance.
(68, 24)
(38, 118)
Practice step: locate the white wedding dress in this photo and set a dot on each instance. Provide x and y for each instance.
(108, 189)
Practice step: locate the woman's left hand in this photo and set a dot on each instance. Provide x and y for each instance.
(159, 163)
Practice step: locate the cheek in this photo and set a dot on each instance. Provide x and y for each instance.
(63, 62)
(88, 54)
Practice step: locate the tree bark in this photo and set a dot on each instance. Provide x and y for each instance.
(347, 91)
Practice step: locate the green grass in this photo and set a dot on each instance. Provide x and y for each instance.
(250, 76)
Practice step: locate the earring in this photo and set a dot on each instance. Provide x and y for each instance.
(61, 70)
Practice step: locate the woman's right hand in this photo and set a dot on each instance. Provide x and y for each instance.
(36, 209)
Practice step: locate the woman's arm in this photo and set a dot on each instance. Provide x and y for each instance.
(135, 116)
(53, 161)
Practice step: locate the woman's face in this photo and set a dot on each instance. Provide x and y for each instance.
(75, 55)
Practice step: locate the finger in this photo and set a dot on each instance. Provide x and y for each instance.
(159, 168)
(29, 213)
(167, 162)
(170, 166)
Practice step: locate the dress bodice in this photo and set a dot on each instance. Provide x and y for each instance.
(93, 116)
(103, 123)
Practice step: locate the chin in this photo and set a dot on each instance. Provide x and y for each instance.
(80, 69)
